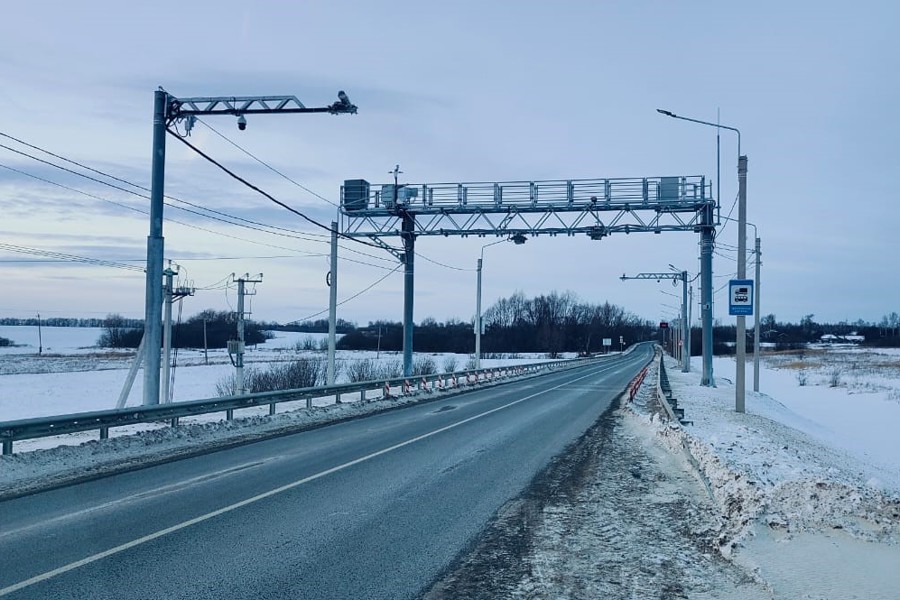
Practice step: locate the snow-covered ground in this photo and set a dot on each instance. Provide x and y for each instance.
(808, 479)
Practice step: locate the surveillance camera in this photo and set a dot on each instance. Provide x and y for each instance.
(343, 98)
(242, 122)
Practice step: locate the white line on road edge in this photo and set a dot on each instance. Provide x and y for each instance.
(184, 525)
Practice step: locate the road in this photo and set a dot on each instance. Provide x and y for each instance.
(372, 508)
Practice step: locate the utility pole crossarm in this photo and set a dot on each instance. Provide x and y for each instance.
(179, 108)
(676, 276)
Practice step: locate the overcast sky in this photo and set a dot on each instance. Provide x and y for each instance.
(452, 91)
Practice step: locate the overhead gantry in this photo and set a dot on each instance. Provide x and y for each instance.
(593, 207)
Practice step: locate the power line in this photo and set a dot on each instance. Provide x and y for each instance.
(237, 177)
(354, 296)
(69, 257)
(265, 164)
(246, 223)
(282, 204)
(189, 225)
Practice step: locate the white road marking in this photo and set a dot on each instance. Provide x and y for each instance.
(232, 507)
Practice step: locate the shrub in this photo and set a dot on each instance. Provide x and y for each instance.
(306, 344)
(802, 377)
(299, 373)
(450, 363)
(834, 378)
(424, 365)
(365, 369)
(471, 364)
(5, 342)
(390, 370)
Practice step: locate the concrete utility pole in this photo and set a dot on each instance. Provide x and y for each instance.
(167, 335)
(238, 348)
(169, 110)
(171, 295)
(155, 253)
(332, 305)
(756, 316)
(741, 336)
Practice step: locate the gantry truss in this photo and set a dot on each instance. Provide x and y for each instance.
(593, 207)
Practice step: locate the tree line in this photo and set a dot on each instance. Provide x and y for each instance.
(550, 323)
(208, 329)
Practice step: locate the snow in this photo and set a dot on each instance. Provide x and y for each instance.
(807, 471)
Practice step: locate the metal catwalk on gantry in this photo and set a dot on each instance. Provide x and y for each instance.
(594, 207)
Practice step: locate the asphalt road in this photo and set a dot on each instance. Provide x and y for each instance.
(370, 508)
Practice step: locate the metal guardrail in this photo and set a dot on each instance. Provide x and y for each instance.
(103, 420)
(664, 394)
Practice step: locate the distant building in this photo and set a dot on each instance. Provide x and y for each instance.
(830, 338)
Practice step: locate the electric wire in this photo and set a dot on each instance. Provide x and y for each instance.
(265, 164)
(198, 227)
(69, 257)
(222, 216)
(353, 297)
(253, 187)
(286, 206)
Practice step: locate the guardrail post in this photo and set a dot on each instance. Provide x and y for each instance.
(7, 447)
(309, 402)
(271, 409)
(362, 395)
(337, 398)
(104, 433)
(173, 422)
(229, 414)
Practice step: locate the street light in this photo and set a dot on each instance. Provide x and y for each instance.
(517, 239)
(741, 334)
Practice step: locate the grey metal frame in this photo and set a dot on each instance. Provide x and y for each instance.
(550, 207)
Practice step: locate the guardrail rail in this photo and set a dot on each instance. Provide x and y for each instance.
(104, 420)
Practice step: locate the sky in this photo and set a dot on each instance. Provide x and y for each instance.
(452, 92)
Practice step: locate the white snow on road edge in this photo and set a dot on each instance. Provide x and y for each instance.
(762, 471)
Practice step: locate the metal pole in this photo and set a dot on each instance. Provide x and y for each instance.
(155, 252)
(478, 318)
(707, 244)
(205, 345)
(685, 327)
(756, 323)
(741, 335)
(332, 304)
(167, 336)
(239, 355)
(409, 249)
(40, 336)
(718, 163)
(690, 329)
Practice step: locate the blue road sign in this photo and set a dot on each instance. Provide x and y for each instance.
(740, 297)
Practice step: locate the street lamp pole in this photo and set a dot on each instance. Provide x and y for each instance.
(478, 323)
(741, 335)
